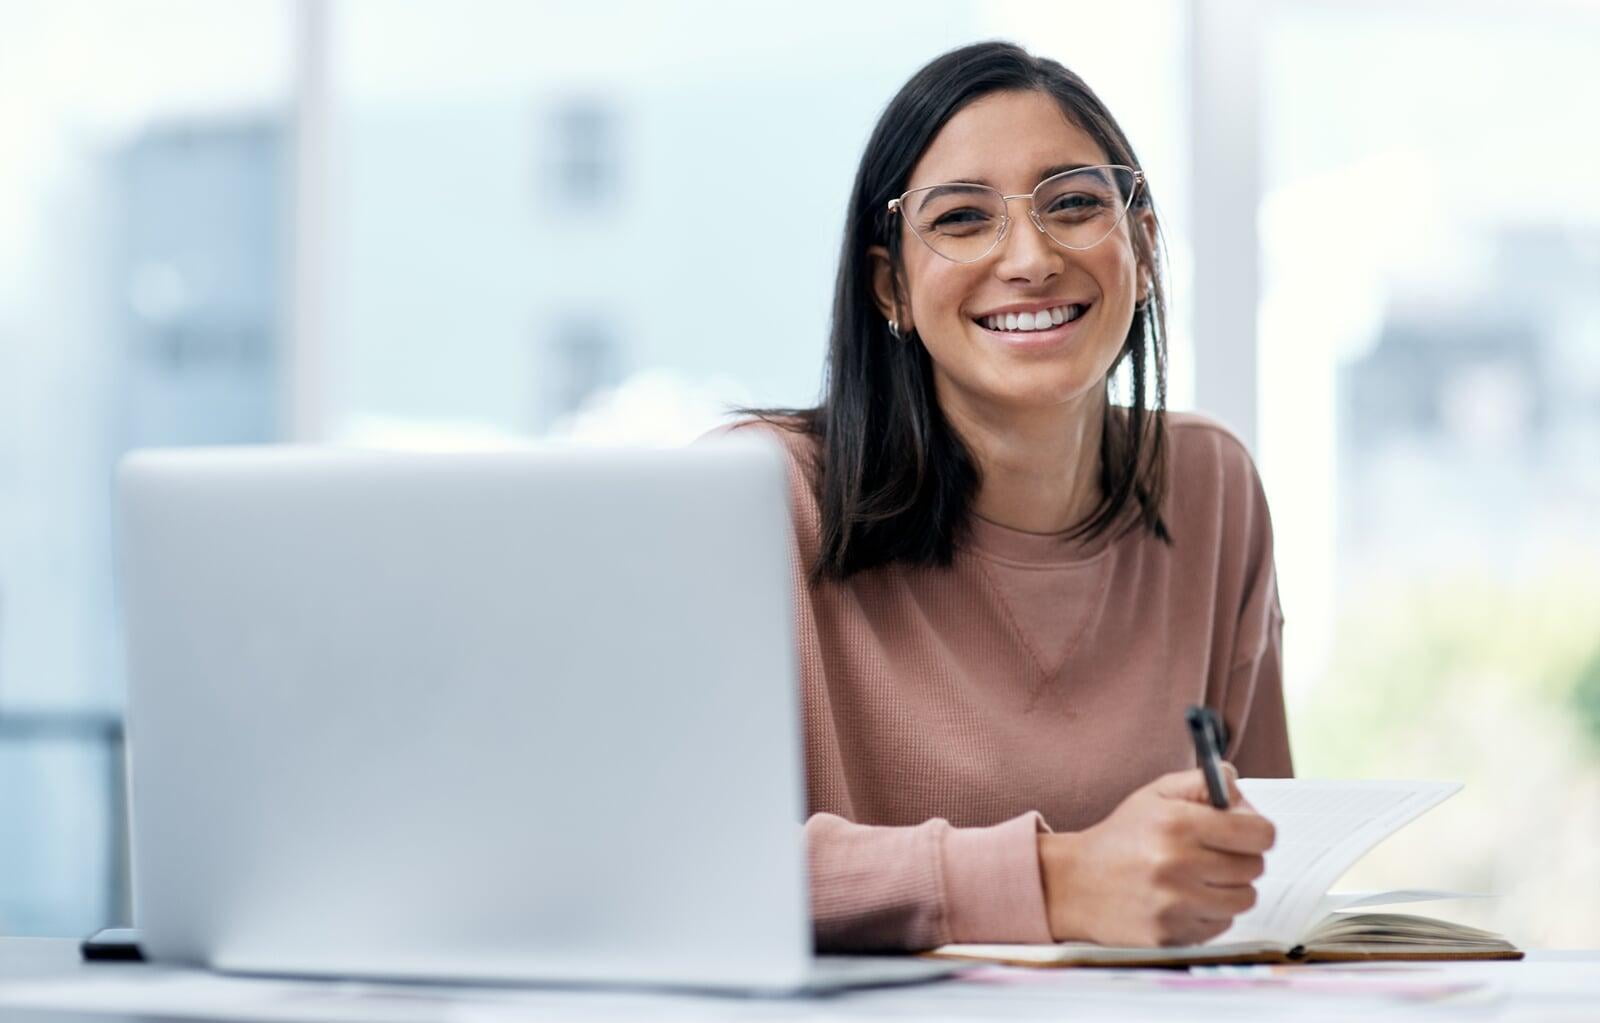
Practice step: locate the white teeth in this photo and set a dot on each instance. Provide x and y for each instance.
(1042, 320)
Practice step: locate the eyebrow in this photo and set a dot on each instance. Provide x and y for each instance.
(934, 191)
(1048, 172)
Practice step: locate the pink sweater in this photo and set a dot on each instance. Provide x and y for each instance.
(953, 714)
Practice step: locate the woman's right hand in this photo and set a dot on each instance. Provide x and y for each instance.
(1165, 868)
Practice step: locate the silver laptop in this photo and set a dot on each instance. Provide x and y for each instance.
(511, 717)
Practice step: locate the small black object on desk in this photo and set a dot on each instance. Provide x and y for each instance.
(114, 944)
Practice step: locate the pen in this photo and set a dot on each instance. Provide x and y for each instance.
(1206, 730)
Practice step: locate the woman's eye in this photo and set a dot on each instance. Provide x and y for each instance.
(959, 217)
(1074, 203)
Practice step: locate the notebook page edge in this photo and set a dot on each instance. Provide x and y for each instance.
(1289, 904)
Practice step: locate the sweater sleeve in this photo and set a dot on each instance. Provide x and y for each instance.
(1262, 747)
(1257, 723)
(879, 889)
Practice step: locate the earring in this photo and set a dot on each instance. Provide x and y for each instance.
(894, 329)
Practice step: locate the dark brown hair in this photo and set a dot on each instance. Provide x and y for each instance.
(895, 483)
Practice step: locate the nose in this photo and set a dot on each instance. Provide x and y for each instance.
(1026, 252)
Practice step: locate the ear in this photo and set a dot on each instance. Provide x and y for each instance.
(1145, 222)
(883, 287)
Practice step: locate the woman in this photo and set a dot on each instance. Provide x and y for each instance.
(1010, 587)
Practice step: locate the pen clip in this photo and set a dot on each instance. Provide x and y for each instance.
(1209, 722)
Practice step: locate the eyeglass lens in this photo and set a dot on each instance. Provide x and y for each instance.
(1077, 209)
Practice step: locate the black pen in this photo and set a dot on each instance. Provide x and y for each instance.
(1206, 730)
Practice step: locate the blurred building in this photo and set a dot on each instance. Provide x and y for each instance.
(197, 277)
(186, 339)
(1476, 415)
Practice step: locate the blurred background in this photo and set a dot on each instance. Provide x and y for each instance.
(453, 225)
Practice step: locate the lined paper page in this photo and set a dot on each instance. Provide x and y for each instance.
(1324, 827)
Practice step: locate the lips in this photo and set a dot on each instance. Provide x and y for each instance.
(1040, 323)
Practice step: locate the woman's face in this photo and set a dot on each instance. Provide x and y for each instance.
(1009, 140)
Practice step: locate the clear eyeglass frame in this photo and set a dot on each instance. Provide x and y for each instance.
(898, 206)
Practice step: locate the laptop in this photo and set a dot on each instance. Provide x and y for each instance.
(504, 717)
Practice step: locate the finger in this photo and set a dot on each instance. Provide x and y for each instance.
(1189, 786)
(1195, 929)
(1237, 831)
(1224, 870)
(1230, 778)
(1224, 903)
(1236, 796)
(1175, 785)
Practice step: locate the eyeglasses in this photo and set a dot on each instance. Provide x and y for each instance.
(1077, 209)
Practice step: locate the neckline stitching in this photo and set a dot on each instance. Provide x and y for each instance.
(1001, 559)
(1090, 614)
(1047, 676)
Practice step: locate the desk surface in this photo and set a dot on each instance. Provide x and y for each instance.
(43, 981)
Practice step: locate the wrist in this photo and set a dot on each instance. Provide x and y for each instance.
(1058, 861)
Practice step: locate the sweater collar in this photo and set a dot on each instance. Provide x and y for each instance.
(988, 538)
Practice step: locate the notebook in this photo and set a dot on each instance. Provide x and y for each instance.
(1324, 827)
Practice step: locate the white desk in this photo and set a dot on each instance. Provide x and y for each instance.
(42, 981)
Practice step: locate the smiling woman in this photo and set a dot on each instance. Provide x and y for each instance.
(1009, 587)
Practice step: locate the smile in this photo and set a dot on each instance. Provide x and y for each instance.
(1047, 324)
(1021, 323)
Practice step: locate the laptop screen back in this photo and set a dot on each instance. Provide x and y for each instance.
(512, 716)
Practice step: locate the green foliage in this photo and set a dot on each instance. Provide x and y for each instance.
(1492, 684)
(1586, 698)
(1413, 657)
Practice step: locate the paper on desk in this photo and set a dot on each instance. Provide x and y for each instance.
(1409, 986)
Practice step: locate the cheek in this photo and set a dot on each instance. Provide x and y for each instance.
(1120, 269)
(937, 292)
(1119, 283)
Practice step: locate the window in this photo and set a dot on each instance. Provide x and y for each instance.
(447, 253)
(1430, 403)
(583, 154)
(140, 191)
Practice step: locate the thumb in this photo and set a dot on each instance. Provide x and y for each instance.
(1191, 786)
(1230, 778)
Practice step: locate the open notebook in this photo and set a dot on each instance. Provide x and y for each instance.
(1324, 827)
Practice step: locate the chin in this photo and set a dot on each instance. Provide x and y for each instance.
(1039, 395)
(1025, 384)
